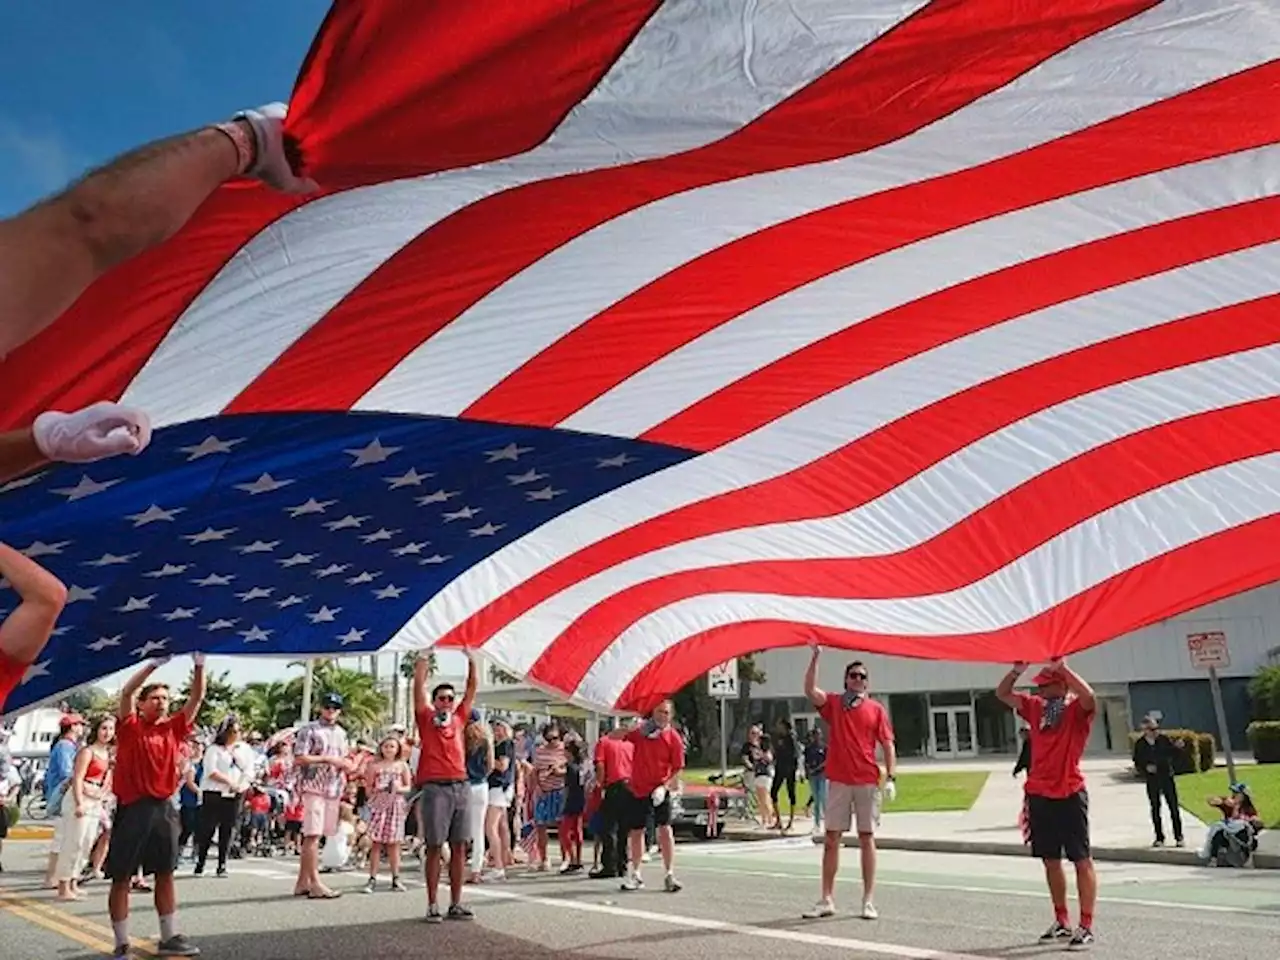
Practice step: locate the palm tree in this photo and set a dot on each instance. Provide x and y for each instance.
(407, 661)
(364, 705)
(268, 707)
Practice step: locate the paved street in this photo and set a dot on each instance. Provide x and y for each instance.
(739, 899)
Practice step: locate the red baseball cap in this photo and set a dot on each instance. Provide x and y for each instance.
(70, 720)
(1046, 677)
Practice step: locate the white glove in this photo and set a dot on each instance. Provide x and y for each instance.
(94, 433)
(272, 166)
(890, 791)
(659, 794)
(198, 659)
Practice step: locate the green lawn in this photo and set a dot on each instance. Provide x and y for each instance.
(1264, 786)
(918, 792)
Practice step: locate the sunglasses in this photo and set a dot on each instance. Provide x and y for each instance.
(445, 698)
(856, 675)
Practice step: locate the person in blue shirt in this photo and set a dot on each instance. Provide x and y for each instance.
(815, 771)
(57, 777)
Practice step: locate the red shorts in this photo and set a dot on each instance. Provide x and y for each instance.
(11, 674)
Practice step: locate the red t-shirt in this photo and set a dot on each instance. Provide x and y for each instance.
(148, 756)
(442, 756)
(1056, 752)
(11, 674)
(851, 751)
(615, 756)
(654, 760)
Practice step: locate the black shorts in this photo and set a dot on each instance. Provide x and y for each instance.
(635, 814)
(1059, 828)
(143, 834)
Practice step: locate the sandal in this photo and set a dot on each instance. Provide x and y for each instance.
(327, 895)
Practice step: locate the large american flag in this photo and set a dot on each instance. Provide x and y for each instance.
(671, 331)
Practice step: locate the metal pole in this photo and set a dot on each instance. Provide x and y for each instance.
(724, 738)
(1224, 735)
(307, 679)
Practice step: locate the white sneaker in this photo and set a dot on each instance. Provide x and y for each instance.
(823, 908)
(869, 911)
(632, 884)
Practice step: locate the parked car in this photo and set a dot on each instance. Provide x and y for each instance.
(691, 811)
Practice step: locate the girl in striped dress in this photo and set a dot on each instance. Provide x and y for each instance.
(388, 784)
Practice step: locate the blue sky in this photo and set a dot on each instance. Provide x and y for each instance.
(82, 81)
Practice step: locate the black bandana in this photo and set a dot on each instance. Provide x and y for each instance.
(850, 699)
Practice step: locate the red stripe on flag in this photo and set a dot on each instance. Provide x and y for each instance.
(390, 89)
(975, 548)
(1217, 119)
(946, 56)
(1211, 569)
(890, 338)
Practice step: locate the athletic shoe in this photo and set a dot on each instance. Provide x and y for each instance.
(371, 886)
(1082, 939)
(1059, 931)
(823, 908)
(671, 884)
(631, 884)
(869, 911)
(177, 946)
(433, 914)
(458, 912)
(396, 886)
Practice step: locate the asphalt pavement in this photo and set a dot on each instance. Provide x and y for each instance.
(739, 900)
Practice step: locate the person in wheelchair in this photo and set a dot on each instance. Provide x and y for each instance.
(1232, 841)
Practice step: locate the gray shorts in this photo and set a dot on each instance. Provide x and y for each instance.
(442, 813)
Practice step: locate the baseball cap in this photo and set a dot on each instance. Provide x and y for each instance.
(331, 700)
(70, 720)
(1046, 677)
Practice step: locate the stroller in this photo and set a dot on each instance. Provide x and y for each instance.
(1233, 840)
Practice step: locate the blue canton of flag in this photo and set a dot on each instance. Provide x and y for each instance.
(286, 534)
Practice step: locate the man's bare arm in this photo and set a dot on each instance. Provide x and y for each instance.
(811, 690)
(51, 253)
(24, 633)
(1004, 691)
(129, 692)
(198, 686)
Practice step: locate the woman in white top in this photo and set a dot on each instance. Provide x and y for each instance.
(221, 785)
(82, 805)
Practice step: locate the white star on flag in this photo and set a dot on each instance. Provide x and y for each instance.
(466, 513)
(291, 600)
(87, 487)
(42, 549)
(40, 669)
(439, 496)
(331, 569)
(23, 482)
(221, 624)
(103, 642)
(311, 506)
(389, 592)
(546, 493)
(207, 446)
(352, 636)
(382, 533)
(215, 580)
(373, 452)
(264, 484)
(346, 523)
(76, 592)
(154, 513)
(168, 570)
(529, 476)
(256, 593)
(255, 634)
(208, 535)
(137, 603)
(259, 546)
(434, 559)
(509, 452)
(621, 460)
(488, 530)
(107, 559)
(409, 548)
(324, 615)
(410, 479)
(150, 647)
(181, 613)
(363, 577)
(297, 559)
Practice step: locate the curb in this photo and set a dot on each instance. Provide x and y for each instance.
(30, 833)
(1262, 861)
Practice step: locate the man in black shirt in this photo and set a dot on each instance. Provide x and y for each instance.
(1153, 756)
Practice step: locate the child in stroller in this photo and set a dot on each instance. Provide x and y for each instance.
(1231, 841)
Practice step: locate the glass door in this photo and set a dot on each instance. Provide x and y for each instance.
(941, 738)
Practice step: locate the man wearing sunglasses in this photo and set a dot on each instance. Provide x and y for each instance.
(856, 724)
(320, 754)
(442, 777)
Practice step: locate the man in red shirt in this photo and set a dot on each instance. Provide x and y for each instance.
(24, 633)
(656, 761)
(144, 833)
(613, 770)
(856, 724)
(442, 777)
(1060, 714)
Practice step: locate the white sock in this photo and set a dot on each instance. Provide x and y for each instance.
(167, 925)
(121, 928)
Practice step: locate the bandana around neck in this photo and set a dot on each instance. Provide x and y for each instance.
(1053, 710)
(850, 699)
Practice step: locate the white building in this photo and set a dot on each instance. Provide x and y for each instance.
(948, 709)
(33, 732)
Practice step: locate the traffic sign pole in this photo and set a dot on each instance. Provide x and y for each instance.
(1224, 733)
(724, 738)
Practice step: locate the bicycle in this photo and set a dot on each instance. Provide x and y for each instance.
(35, 808)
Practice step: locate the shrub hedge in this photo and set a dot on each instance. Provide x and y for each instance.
(1264, 738)
(1196, 753)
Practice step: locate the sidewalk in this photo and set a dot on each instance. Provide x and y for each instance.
(1120, 821)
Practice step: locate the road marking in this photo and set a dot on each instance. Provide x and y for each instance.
(70, 925)
(721, 926)
(997, 891)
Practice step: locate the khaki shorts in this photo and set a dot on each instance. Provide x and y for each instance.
(848, 805)
(319, 815)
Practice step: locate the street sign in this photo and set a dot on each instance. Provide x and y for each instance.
(1208, 650)
(722, 680)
